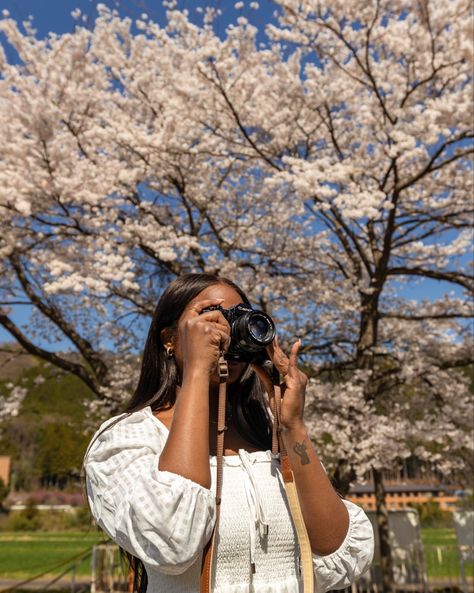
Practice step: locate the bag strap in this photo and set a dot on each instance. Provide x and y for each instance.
(208, 553)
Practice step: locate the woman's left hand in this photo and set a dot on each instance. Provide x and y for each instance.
(293, 385)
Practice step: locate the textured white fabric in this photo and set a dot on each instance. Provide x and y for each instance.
(166, 520)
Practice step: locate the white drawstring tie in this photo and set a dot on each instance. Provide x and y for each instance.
(258, 518)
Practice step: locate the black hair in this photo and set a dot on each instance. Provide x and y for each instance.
(159, 377)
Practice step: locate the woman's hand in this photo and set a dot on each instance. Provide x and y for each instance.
(293, 386)
(202, 337)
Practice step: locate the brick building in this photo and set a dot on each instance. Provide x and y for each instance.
(399, 495)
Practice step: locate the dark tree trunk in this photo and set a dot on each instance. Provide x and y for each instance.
(383, 533)
(368, 339)
(368, 331)
(343, 477)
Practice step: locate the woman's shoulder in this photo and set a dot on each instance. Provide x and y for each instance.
(133, 429)
(128, 419)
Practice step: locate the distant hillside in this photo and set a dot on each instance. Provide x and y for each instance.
(13, 362)
(48, 437)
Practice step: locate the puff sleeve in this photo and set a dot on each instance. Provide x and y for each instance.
(354, 557)
(160, 517)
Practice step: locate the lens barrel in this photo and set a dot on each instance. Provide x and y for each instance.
(253, 330)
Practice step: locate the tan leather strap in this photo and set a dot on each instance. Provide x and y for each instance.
(275, 445)
(306, 555)
(209, 550)
(306, 567)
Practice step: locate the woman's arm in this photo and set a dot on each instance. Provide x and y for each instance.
(197, 345)
(325, 515)
(187, 448)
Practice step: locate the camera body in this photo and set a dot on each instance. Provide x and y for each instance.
(251, 331)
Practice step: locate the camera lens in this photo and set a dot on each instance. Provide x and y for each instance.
(261, 328)
(253, 331)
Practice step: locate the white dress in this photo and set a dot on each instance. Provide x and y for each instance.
(166, 520)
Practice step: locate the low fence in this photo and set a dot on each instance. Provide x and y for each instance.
(423, 568)
(109, 573)
(453, 564)
(447, 566)
(440, 569)
(417, 568)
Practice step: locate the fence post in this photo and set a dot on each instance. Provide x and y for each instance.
(103, 569)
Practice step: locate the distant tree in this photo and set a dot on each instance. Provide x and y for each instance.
(18, 438)
(60, 454)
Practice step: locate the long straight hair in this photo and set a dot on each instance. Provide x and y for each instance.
(160, 377)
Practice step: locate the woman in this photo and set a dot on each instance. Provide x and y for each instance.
(150, 472)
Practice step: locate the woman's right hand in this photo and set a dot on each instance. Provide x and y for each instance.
(202, 337)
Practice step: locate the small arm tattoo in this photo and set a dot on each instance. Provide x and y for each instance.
(300, 449)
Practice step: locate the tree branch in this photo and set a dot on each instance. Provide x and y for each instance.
(453, 277)
(54, 315)
(388, 315)
(67, 365)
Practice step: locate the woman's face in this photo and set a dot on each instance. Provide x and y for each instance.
(231, 298)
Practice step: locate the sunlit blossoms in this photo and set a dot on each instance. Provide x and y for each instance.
(324, 171)
(11, 402)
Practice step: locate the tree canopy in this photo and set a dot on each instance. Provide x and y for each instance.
(323, 171)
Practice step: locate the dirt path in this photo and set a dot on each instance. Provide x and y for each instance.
(64, 583)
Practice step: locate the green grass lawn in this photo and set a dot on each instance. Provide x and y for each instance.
(443, 562)
(25, 554)
(434, 536)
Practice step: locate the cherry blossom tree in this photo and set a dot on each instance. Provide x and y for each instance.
(325, 171)
(390, 180)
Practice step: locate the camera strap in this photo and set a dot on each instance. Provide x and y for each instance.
(209, 550)
(278, 446)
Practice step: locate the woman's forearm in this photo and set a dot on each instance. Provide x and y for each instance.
(325, 515)
(187, 449)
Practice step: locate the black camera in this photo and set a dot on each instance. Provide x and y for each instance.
(250, 331)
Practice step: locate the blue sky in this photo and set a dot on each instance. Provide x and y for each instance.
(55, 16)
